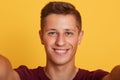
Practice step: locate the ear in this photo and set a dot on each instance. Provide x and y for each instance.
(41, 36)
(80, 36)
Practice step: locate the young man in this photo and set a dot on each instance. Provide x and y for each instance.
(61, 33)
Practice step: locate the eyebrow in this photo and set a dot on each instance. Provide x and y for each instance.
(64, 29)
(69, 30)
(51, 30)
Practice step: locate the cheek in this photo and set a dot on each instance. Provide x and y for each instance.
(48, 41)
(73, 41)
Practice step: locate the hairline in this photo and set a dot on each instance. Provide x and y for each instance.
(77, 23)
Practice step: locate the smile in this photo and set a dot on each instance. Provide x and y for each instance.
(61, 51)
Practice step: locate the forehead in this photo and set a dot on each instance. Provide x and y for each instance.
(60, 21)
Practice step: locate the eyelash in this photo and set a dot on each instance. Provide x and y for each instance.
(55, 33)
(69, 33)
(52, 33)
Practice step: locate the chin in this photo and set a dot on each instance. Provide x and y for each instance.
(61, 62)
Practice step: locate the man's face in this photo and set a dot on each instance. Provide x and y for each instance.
(60, 38)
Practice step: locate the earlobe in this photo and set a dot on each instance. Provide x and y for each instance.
(80, 37)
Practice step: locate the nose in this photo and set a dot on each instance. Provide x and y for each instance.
(60, 41)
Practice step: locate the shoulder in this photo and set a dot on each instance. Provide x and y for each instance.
(91, 75)
(24, 69)
(26, 73)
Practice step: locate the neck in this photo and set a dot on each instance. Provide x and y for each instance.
(61, 72)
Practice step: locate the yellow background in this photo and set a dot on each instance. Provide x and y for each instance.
(100, 47)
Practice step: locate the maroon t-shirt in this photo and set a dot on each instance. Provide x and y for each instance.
(38, 74)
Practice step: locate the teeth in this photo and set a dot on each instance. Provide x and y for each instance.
(60, 51)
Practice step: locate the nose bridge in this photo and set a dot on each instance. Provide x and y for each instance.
(60, 41)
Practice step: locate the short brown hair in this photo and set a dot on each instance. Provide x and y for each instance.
(60, 8)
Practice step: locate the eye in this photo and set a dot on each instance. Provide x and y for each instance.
(69, 33)
(52, 33)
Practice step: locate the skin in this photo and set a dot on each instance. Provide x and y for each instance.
(6, 71)
(60, 35)
(114, 74)
(60, 38)
(5, 68)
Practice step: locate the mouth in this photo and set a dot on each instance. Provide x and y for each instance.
(60, 51)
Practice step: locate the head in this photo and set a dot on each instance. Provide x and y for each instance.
(60, 32)
(63, 8)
